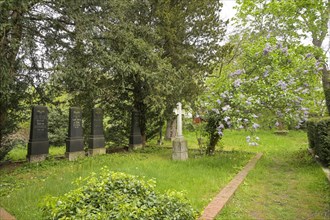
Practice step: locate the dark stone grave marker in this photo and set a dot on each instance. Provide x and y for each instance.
(38, 145)
(135, 140)
(96, 141)
(75, 140)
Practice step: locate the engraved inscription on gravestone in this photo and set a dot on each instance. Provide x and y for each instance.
(75, 129)
(96, 140)
(97, 122)
(38, 142)
(40, 124)
(75, 140)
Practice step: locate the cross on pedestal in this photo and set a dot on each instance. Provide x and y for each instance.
(180, 150)
(179, 112)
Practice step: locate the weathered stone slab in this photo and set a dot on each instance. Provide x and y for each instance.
(96, 151)
(74, 155)
(96, 140)
(38, 146)
(75, 140)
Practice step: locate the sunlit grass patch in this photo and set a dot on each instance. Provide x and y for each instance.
(200, 177)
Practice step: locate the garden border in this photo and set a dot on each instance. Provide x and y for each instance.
(4, 215)
(220, 200)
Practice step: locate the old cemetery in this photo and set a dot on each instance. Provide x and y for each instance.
(38, 146)
(286, 177)
(164, 109)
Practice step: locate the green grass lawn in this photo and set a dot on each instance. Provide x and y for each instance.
(200, 177)
(285, 184)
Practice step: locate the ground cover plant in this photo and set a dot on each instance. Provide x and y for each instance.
(116, 195)
(23, 189)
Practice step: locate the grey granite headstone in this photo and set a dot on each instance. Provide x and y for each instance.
(75, 140)
(38, 146)
(96, 141)
(135, 140)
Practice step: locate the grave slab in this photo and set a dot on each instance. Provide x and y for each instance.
(75, 140)
(96, 142)
(38, 146)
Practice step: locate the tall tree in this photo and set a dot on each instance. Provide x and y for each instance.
(190, 33)
(292, 21)
(22, 34)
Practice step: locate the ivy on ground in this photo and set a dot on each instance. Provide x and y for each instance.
(115, 195)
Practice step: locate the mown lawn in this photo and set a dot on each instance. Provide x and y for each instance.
(285, 184)
(23, 189)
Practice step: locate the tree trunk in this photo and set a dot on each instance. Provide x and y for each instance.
(170, 129)
(161, 123)
(214, 139)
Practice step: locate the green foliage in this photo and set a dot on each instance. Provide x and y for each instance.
(291, 21)
(120, 55)
(115, 195)
(58, 122)
(6, 146)
(17, 140)
(318, 130)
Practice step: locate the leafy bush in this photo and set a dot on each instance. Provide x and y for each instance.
(57, 126)
(318, 131)
(115, 195)
(19, 138)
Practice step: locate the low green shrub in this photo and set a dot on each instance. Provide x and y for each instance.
(318, 131)
(57, 126)
(115, 195)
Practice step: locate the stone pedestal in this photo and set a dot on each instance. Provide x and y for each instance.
(36, 158)
(96, 151)
(74, 155)
(180, 150)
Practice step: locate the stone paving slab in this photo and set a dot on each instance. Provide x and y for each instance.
(216, 205)
(4, 215)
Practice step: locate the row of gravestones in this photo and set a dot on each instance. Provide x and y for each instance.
(38, 146)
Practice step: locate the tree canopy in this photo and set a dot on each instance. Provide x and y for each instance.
(120, 55)
(291, 21)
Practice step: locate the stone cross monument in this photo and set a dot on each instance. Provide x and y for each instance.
(180, 151)
(179, 112)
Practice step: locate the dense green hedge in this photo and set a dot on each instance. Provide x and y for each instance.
(318, 130)
(114, 195)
